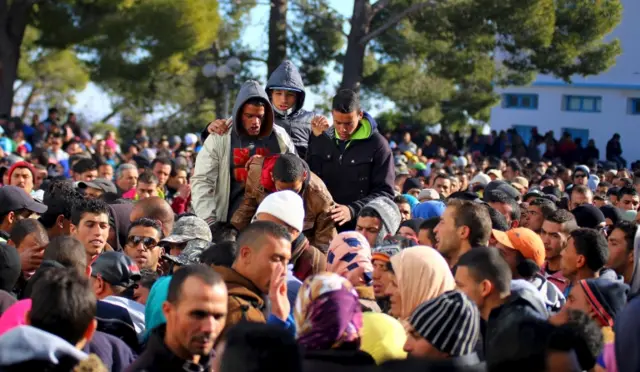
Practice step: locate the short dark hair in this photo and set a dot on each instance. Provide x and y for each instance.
(94, 206)
(23, 228)
(63, 304)
(400, 199)
(369, 212)
(613, 191)
(223, 232)
(629, 230)
(441, 175)
(564, 218)
(604, 184)
(60, 198)
(67, 251)
(429, 225)
(253, 235)
(255, 101)
(498, 221)
(587, 329)
(627, 191)
(488, 264)
(346, 101)
(288, 168)
(221, 254)
(547, 207)
(148, 177)
(146, 222)
(202, 272)
(175, 170)
(499, 196)
(515, 165)
(256, 347)
(581, 189)
(593, 246)
(84, 165)
(161, 160)
(476, 217)
(148, 278)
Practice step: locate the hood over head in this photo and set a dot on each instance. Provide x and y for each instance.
(287, 77)
(26, 343)
(251, 89)
(153, 314)
(526, 294)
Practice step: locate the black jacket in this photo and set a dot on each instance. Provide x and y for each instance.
(361, 172)
(337, 360)
(522, 304)
(157, 357)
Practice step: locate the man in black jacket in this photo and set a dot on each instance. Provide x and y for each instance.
(196, 311)
(353, 159)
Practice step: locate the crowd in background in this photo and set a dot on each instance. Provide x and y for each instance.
(278, 239)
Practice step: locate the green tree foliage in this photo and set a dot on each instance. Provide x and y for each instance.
(439, 61)
(49, 76)
(123, 42)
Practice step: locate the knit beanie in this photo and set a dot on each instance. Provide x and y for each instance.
(612, 213)
(588, 216)
(584, 169)
(449, 322)
(389, 214)
(429, 209)
(287, 206)
(606, 297)
(22, 164)
(502, 186)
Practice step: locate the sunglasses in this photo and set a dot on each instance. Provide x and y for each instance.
(146, 241)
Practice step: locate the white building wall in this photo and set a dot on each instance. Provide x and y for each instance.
(615, 86)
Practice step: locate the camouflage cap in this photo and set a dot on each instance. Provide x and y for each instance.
(188, 228)
(190, 254)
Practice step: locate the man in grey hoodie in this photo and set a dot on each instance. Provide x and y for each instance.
(220, 171)
(378, 219)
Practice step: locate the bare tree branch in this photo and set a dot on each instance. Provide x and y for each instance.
(379, 5)
(397, 18)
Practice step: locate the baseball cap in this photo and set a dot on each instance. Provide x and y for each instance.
(496, 173)
(402, 170)
(525, 241)
(521, 181)
(99, 184)
(13, 198)
(116, 268)
(428, 194)
(188, 228)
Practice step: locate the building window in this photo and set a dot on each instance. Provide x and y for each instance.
(634, 105)
(521, 101)
(582, 103)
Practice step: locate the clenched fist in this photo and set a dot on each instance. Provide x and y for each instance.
(319, 124)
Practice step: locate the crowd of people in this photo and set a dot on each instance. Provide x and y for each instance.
(274, 240)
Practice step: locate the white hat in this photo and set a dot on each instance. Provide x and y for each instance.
(428, 194)
(480, 178)
(286, 206)
(190, 139)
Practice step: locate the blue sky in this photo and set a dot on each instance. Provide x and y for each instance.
(94, 104)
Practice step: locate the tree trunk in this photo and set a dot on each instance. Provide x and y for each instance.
(277, 35)
(352, 67)
(27, 103)
(13, 22)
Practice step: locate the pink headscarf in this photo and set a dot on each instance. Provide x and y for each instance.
(422, 274)
(350, 257)
(15, 315)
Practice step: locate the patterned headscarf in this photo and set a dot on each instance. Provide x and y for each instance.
(350, 256)
(327, 313)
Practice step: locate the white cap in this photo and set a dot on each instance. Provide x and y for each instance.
(428, 194)
(286, 206)
(190, 139)
(480, 178)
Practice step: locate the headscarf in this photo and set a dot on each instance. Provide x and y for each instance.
(15, 315)
(413, 201)
(421, 275)
(327, 313)
(383, 337)
(349, 256)
(153, 309)
(429, 209)
(612, 213)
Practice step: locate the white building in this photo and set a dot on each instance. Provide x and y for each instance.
(594, 107)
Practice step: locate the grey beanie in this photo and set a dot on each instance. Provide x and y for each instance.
(389, 214)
